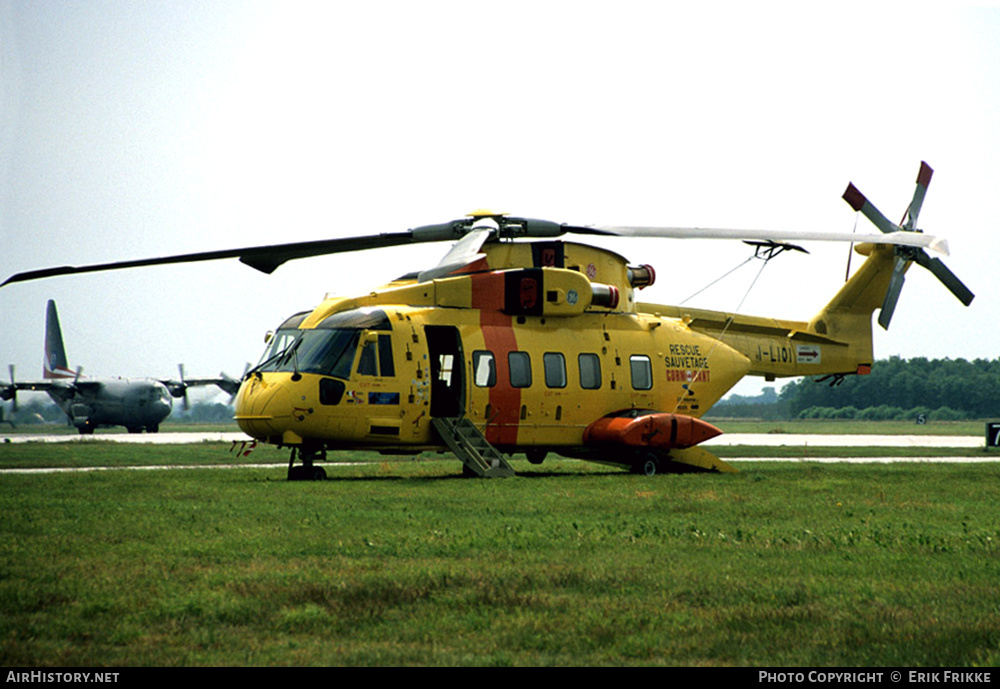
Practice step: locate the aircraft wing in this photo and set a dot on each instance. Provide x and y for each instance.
(225, 383)
(58, 388)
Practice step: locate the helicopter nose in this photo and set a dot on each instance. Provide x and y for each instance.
(263, 409)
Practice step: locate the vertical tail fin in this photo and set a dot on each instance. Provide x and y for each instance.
(56, 365)
(848, 316)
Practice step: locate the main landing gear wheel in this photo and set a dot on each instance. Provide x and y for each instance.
(536, 456)
(647, 465)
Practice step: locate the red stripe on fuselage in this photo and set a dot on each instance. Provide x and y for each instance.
(498, 337)
(505, 400)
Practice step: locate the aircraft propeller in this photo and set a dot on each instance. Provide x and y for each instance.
(11, 392)
(906, 254)
(230, 385)
(178, 389)
(184, 388)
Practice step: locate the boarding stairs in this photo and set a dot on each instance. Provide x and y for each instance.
(469, 444)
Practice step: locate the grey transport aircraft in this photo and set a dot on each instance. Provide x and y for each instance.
(89, 403)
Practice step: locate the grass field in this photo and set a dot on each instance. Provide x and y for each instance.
(837, 426)
(405, 563)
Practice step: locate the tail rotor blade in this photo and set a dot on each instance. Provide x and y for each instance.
(923, 181)
(892, 294)
(947, 278)
(858, 202)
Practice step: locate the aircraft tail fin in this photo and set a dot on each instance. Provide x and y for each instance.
(56, 364)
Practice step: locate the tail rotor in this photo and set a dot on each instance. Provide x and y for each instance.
(905, 255)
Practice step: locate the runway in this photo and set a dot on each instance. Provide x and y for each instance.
(796, 440)
(727, 439)
(139, 438)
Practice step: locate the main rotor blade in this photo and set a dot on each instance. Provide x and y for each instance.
(858, 202)
(268, 258)
(917, 239)
(264, 258)
(923, 181)
(947, 278)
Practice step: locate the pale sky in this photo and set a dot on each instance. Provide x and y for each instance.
(131, 129)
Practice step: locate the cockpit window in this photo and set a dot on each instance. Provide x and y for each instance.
(380, 363)
(329, 348)
(327, 352)
(366, 362)
(294, 321)
(367, 319)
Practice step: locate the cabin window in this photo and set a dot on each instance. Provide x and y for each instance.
(485, 367)
(590, 371)
(520, 369)
(642, 372)
(331, 391)
(555, 369)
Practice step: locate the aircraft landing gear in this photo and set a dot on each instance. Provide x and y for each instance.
(647, 464)
(536, 456)
(301, 473)
(307, 471)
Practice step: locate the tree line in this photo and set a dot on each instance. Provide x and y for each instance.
(938, 389)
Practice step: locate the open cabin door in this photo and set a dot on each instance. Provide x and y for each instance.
(447, 371)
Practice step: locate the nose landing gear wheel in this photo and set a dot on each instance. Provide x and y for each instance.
(306, 471)
(301, 473)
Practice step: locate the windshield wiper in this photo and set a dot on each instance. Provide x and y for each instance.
(280, 357)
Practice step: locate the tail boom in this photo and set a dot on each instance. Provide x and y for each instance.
(838, 340)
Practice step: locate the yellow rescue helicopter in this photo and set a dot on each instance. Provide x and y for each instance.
(543, 346)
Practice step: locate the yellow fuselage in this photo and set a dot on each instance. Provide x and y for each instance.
(531, 360)
(533, 343)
